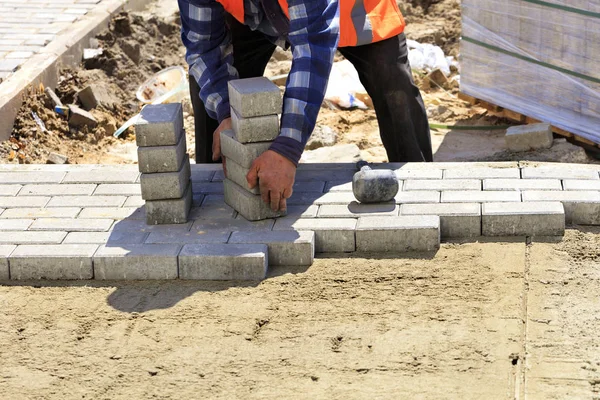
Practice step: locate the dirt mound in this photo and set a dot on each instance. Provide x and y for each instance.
(133, 48)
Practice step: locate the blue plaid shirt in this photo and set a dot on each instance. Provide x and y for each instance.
(313, 36)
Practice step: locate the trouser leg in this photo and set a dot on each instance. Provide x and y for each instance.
(251, 53)
(384, 71)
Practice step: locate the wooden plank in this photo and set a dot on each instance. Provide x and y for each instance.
(469, 99)
(514, 116)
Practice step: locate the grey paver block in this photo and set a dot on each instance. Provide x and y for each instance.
(529, 137)
(302, 211)
(118, 189)
(332, 235)
(173, 211)
(101, 176)
(86, 201)
(136, 261)
(201, 175)
(5, 252)
(254, 97)
(430, 173)
(335, 198)
(581, 207)
(131, 225)
(194, 236)
(57, 190)
(71, 224)
(482, 173)
(470, 196)
(113, 237)
(243, 154)
(29, 237)
(9, 190)
(356, 210)
(249, 205)
(218, 176)
(223, 261)
(417, 196)
(213, 207)
(441, 184)
(522, 184)
(230, 225)
(208, 187)
(62, 261)
(166, 185)
(457, 220)
(10, 65)
(264, 128)
(553, 172)
(237, 174)
(23, 201)
(307, 198)
(134, 201)
(94, 95)
(323, 174)
(338, 186)
(523, 219)
(112, 212)
(78, 117)
(55, 212)
(159, 125)
(398, 234)
(580, 184)
(285, 247)
(162, 158)
(17, 224)
(24, 177)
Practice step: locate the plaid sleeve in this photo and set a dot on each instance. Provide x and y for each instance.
(209, 52)
(314, 35)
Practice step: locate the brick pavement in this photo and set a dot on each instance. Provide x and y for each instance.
(79, 221)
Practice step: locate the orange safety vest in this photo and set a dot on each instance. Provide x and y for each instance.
(361, 21)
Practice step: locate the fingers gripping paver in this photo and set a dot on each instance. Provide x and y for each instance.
(81, 238)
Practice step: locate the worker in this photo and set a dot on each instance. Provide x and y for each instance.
(231, 39)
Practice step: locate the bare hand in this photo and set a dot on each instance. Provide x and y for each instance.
(216, 147)
(275, 174)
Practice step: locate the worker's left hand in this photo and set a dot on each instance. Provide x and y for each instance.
(275, 174)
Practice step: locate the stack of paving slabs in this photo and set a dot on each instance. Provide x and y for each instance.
(255, 103)
(164, 164)
(538, 58)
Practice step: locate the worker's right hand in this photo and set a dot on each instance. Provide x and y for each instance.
(216, 147)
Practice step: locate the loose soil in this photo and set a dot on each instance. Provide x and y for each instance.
(140, 44)
(493, 320)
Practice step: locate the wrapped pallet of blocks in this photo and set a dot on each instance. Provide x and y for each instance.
(255, 105)
(538, 58)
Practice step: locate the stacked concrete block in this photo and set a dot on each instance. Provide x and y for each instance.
(164, 164)
(255, 105)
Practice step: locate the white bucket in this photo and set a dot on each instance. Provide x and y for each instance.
(167, 86)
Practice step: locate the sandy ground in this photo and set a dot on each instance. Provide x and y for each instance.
(484, 320)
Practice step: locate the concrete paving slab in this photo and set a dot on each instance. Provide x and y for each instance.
(57, 190)
(249, 205)
(23, 201)
(99, 176)
(457, 220)
(292, 248)
(86, 201)
(398, 234)
(264, 128)
(581, 207)
(166, 185)
(523, 219)
(254, 97)
(9, 190)
(136, 262)
(581, 184)
(223, 261)
(522, 184)
(192, 237)
(25, 177)
(482, 173)
(5, 252)
(62, 261)
(172, 211)
(113, 237)
(17, 224)
(229, 225)
(235, 173)
(118, 189)
(332, 235)
(470, 196)
(112, 213)
(356, 210)
(243, 154)
(558, 173)
(55, 212)
(29, 237)
(418, 196)
(162, 158)
(159, 125)
(442, 184)
(71, 224)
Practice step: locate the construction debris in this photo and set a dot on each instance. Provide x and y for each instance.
(94, 95)
(79, 117)
(55, 158)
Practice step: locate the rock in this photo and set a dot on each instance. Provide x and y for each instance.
(322, 136)
(52, 98)
(78, 117)
(94, 95)
(132, 49)
(55, 158)
(437, 77)
(341, 153)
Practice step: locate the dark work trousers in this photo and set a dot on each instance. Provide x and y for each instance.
(383, 70)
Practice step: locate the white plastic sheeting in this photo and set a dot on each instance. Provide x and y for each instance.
(539, 58)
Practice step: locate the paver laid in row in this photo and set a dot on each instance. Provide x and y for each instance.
(522, 184)
(61, 261)
(55, 212)
(142, 226)
(208, 187)
(58, 189)
(23, 201)
(481, 173)
(523, 219)
(581, 184)
(136, 261)
(212, 207)
(71, 224)
(118, 189)
(113, 237)
(581, 207)
(24, 177)
(356, 210)
(231, 225)
(457, 220)
(5, 251)
(30, 237)
(419, 173)
(332, 235)
(223, 261)
(17, 224)
(284, 247)
(471, 196)
(398, 234)
(417, 196)
(558, 173)
(442, 184)
(198, 237)
(86, 201)
(9, 190)
(112, 212)
(101, 176)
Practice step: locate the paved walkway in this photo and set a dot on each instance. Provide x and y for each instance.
(27, 26)
(89, 213)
